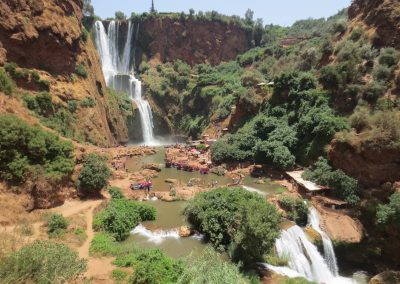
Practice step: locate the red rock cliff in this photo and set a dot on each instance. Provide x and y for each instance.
(46, 35)
(381, 15)
(193, 41)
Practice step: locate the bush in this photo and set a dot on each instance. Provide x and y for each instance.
(11, 67)
(94, 174)
(236, 219)
(275, 154)
(389, 213)
(81, 71)
(121, 216)
(45, 103)
(45, 84)
(209, 267)
(24, 147)
(382, 73)
(296, 209)
(103, 244)
(7, 85)
(119, 275)
(72, 106)
(154, 267)
(389, 57)
(56, 224)
(329, 77)
(88, 102)
(116, 192)
(35, 76)
(43, 262)
(342, 185)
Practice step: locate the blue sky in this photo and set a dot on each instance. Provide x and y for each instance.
(282, 12)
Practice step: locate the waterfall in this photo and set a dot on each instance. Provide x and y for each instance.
(303, 257)
(117, 71)
(329, 253)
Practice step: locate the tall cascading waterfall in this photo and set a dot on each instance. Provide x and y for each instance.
(304, 259)
(118, 72)
(329, 252)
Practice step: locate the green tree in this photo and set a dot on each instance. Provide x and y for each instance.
(275, 154)
(236, 219)
(389, 213)
(94, 174)
(120, 16)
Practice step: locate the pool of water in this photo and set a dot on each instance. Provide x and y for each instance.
(183, 177)
(163, 232)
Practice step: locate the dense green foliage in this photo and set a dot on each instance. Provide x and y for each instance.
(88, 102)
(342, 185)
(234, 219)
(154, 267)
(121, 216)
(42, 262)
(94, 174)
(115, 192)
(389, 214)
(27, 149)
(210, 268)
(56, 224)
(296, 209)
(295, 124)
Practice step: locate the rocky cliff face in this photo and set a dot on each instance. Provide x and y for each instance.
(193, 41)
(383, 16)
(370, 167)
(47, 36)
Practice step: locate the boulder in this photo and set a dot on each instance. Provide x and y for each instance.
(171, 180)
(152, 166)
(387, 277)
(185, 232)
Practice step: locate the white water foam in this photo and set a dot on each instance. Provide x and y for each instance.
(159, 236)
(252, 189)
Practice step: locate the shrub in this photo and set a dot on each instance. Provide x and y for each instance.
(11, 67)
(45, 84)
(42, 262)
(84, 35)
(389, 213)
(382, 73)
(56, 223)
(209, 267)
(24, 146)
(360, 119)
(103, 244)
(30, 102)
(119, 275)
(115, 192)
(72, 106)
(154, 267)
(35, 76)
(45, 103)
(389, 57)
(88, 102)
(296, 209)
(236, 219)
(7, 85)
(94, 174)
(80, 70)
(329, 77)
(121, 216)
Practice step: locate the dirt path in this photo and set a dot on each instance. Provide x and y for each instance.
(99, 269)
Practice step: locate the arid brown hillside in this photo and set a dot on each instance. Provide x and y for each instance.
(193, 41)
(381, 15)
(47, 37)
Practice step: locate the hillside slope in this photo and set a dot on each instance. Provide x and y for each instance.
(46, 38)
